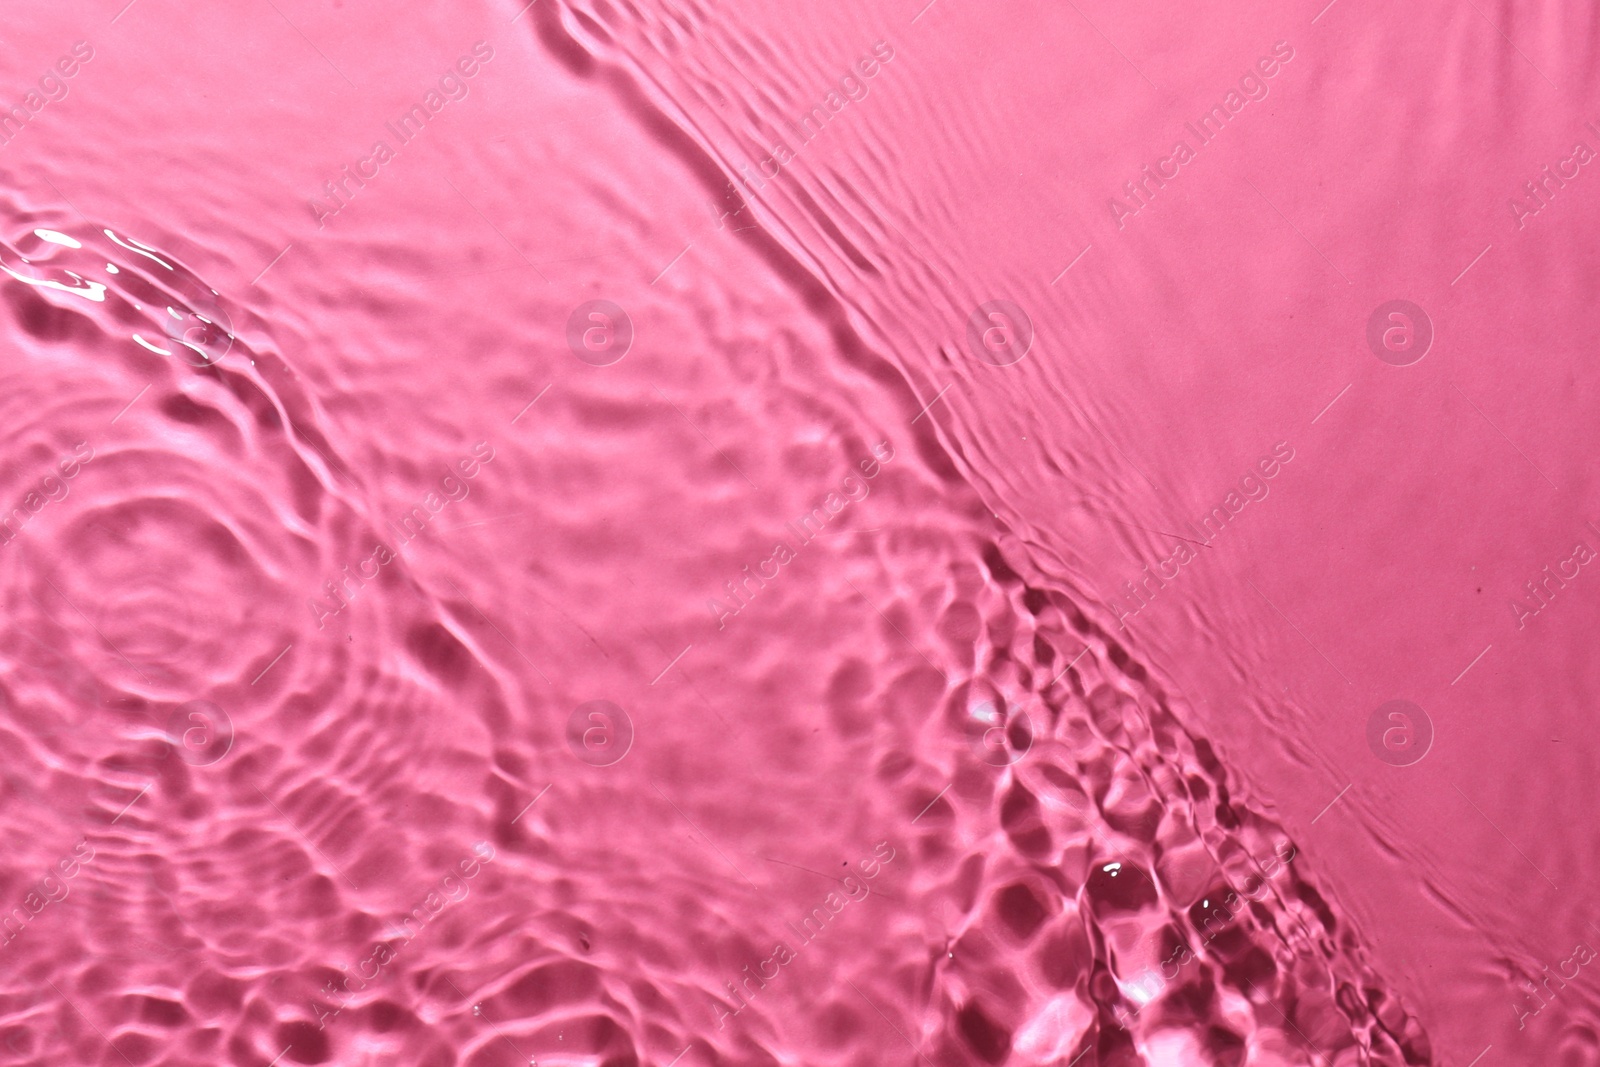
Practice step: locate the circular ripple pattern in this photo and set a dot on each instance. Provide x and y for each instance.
(299, 663)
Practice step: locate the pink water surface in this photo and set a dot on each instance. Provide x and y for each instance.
(658, 532)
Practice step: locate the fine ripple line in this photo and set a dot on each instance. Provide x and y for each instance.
(707, 440)
(1299, 631)
(307, 840)
(924, 10)
(931, 803)
(1083, 415)
(796, 866)
(1069, 266)
(1474, 263)
(274, 662)
(934, 401)
(131, 803)
(1474, 663)
(1114, 48)
(280, 1055)
(888, 1020)
(499, 631)
(95, 628)
(1331, 803)
(531, 803)
(1503, 437)
(114, 19)
(1514, 47)
(703, 836)
(1320, 1055)
(1480, 1055)
(477, 1010)
(129, 404)
(1324, 11)
(1332, 402)
(1069, 666)
(313, 47)
(1158, 533)
(530, 404)
(523, 12)
(690, 1045)
(1296, 229)
(899, 631)
(668, 667)
(675, 259)
(495, 228)
(481, 522)
(274, 263)
(1502, 833)
(86, 1019)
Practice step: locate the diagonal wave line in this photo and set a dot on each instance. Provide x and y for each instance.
(309, 843)
(1331, 803)
(1332, 402)
(95, 628)
(703, 836)
(1299, 631)
(899, 631)
(708, 440)
(1513, 45)
(495, 228)
(497, 630)
(890, 1021)
(931, 803)
(1069, 266)
(1473, 664)
(1114, 48)
(86, 1019)
(1503, 437)
(669, 666)
(307, 40)
(1474, 263)
(1508, 840)
(274, 662)
(1296, 229)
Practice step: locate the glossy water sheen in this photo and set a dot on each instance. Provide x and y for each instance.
(608, 533)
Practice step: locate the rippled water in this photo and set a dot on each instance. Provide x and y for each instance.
(597, 533)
